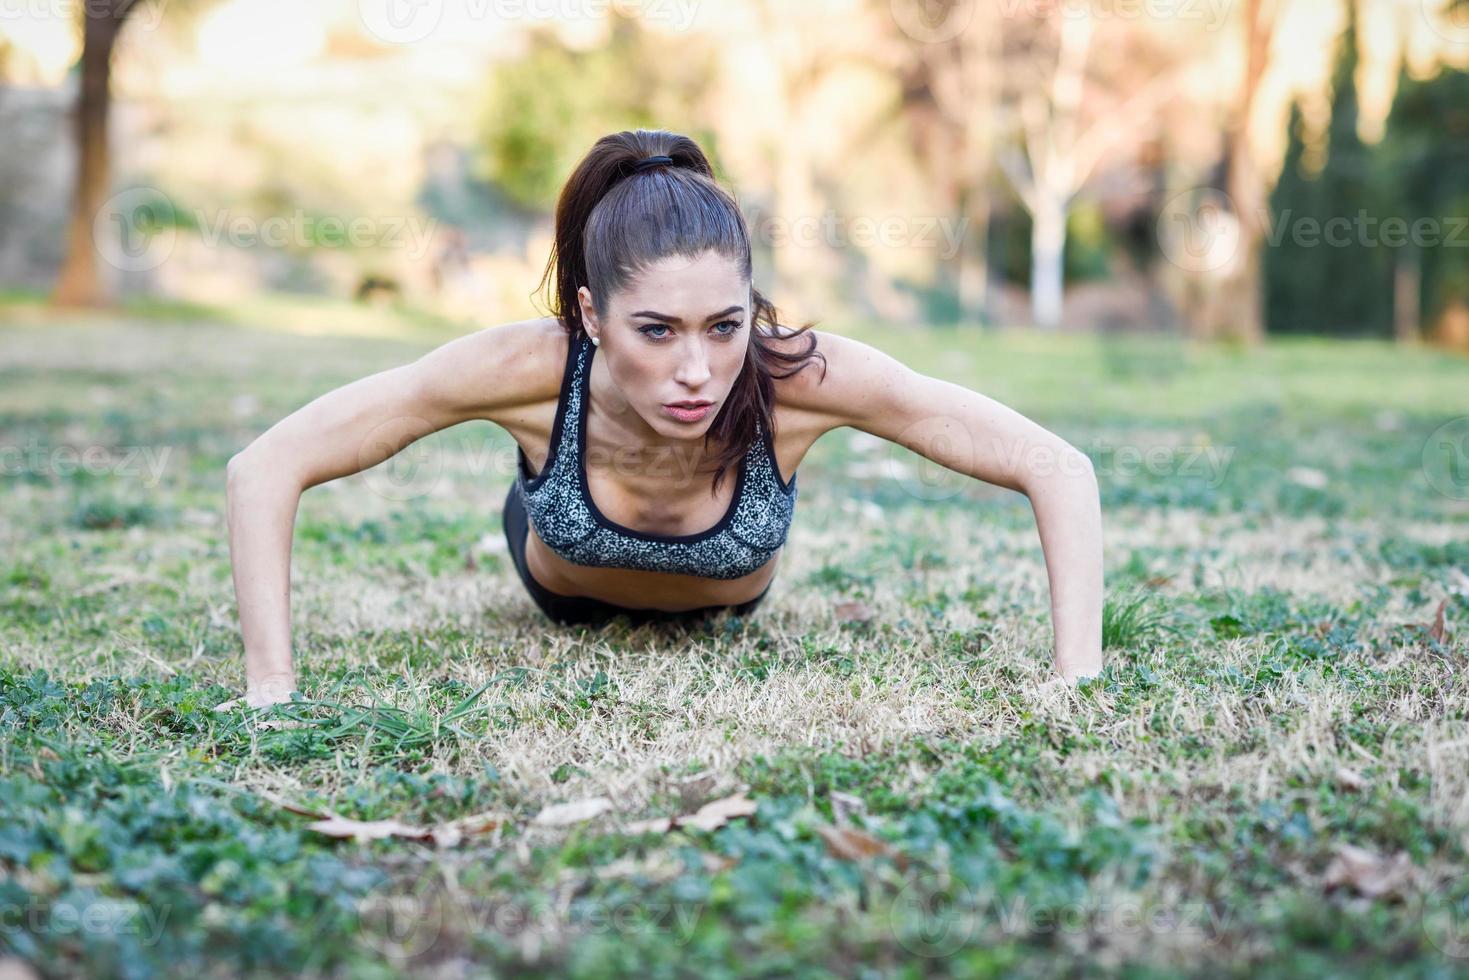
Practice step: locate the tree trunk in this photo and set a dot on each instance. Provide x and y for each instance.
(78, 283)
(1047, 260)
(1407, 287)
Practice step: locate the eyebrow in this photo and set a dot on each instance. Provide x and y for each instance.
(653, 314)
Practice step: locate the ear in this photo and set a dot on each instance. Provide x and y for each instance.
(588, 314)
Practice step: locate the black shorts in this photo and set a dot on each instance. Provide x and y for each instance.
(581, 609)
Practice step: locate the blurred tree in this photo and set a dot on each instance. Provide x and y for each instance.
(1068, 119)
(1421, 173)
(545, 109)
(1325, 269)
(102, 22)
(947, 89)
(1238, 310)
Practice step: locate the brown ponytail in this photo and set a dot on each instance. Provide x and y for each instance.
(612, 222)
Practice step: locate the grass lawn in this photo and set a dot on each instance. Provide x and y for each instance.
(1271, 778)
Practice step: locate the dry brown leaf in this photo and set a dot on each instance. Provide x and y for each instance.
(854, 844)
(576, 811)
(657, 866)
(285, 804)
(717, 813)
(1351, 779)
(853, 612)
(710, 816)
(340, 826)
(1368, 873)
(1158, 581)
(442, 835)
(1436, 632)
(451, 833)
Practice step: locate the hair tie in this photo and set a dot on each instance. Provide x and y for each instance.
(647, 162)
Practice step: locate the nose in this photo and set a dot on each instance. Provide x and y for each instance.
(693, 367)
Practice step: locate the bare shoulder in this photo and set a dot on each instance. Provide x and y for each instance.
(832, 391)
(495, 373)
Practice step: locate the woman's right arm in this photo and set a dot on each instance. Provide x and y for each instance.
(488, 374)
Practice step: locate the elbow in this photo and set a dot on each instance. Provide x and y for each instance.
(244, 468)
(1064, 467)
(236, 468)
(1078, 465)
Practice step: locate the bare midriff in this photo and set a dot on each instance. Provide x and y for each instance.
(636, 589)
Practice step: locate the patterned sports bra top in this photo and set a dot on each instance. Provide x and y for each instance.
(560, 506)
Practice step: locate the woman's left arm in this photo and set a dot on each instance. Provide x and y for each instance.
(975, 435)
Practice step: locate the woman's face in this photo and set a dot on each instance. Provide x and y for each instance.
(676, 333)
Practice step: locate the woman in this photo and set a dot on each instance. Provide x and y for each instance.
(624, 502)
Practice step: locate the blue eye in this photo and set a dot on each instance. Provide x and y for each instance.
(734, 327)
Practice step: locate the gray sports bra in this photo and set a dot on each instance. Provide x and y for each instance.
(560, 506)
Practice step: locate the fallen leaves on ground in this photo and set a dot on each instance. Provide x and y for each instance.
(440, 835)
(710, 816)
(853, 612)
(854, 844)
(1369, 873)
(577, 811)
(1437, 633)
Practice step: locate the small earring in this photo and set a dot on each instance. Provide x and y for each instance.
(597, 341)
